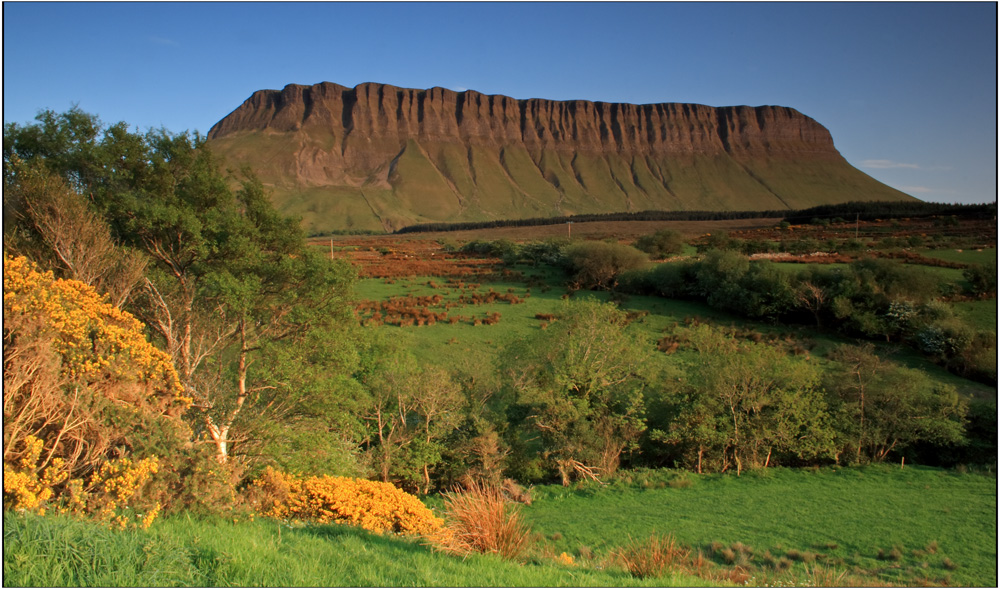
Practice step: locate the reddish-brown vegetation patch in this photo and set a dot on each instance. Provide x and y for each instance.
(394, 257)
(813, 258)
(407, 311)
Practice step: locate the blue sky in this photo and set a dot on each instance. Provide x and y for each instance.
(908, 90)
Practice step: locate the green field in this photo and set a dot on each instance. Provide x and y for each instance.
(183, 551)
(464, 346)
(843, 515)
(941, 524)
(974, 256)
(982, 314)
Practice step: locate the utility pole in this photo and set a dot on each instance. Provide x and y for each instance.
(569, 229)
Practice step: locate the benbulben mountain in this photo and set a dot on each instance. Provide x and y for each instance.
(378, 157)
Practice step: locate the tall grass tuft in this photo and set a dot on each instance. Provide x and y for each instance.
(653, 557)
(479, 518)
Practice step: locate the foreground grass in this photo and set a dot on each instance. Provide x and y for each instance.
(212, 552)
(859, 526)
(883, 524)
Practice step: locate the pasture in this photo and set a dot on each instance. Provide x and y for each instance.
(865, 526)
(941, 524)
(469, 347)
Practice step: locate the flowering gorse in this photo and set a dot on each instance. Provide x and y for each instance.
(374, 506)
(95, 339)
(81, 385)
(108, 496)
(23, 488)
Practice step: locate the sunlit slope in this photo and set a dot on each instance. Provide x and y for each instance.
(377, 157)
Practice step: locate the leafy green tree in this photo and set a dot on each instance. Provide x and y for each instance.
(881, 407)
(227, 277)
(748, 405)
(64, 142)
(580, 384)
(768, 292)
(51, 223)
(719, 276)
(409, 411)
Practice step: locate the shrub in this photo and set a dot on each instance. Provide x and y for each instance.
(661, 244)
(82, 381)
(982, 279)
(680, 483)
(375, 506)
(718, 241)
(481, 519)
(595, 264)
(109, 494)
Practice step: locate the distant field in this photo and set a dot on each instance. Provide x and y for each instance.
(982, 314)
(963, 256)
(462, 346)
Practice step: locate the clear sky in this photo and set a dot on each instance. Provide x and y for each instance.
(908, 90)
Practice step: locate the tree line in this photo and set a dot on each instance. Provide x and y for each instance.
(854, 210)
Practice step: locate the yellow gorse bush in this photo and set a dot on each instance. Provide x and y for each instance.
(95, 339)
(375, 506)
(22, 487)
(109, 494)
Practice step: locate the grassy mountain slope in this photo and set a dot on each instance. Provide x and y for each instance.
(377, 157)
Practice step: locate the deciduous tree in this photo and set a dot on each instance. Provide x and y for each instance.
(581, 383)
(748, 405)
(881, 407)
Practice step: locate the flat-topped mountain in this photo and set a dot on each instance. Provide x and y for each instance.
(379, 157)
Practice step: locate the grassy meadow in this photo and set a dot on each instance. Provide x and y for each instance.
(941, 523)
(464, 345)
(187, 551)
(864, 526)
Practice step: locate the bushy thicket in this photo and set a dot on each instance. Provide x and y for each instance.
(549, 252)
(871, 298)
(91, 409)
(598, 264)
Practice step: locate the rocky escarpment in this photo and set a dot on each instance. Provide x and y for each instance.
(378, 156)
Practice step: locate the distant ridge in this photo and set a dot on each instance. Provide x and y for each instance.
(378, 157)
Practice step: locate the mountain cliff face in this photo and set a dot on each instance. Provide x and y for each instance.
(379, 157)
